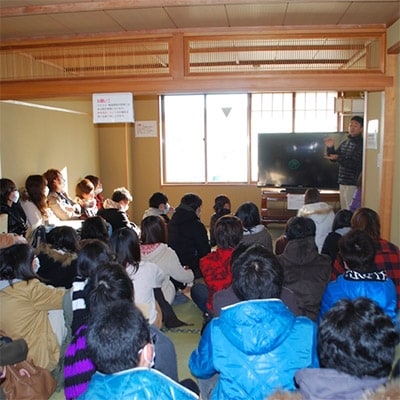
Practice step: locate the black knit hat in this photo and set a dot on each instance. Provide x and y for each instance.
(358, 119)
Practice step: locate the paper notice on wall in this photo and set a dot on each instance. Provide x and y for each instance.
(146, 129)
(372, 134)
(295, 201)
(112, 108)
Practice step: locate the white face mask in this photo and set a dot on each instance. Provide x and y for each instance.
(46, 191)
(98, 190)
(14, 196)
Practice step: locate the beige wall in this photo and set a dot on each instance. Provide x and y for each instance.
(35, 139)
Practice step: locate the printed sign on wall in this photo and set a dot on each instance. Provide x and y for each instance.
(112, 108)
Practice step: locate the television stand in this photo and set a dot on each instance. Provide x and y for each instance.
(274, 204)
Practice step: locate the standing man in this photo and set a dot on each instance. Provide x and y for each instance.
(349, 155)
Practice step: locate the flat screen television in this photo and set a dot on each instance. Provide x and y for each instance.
(295, 161)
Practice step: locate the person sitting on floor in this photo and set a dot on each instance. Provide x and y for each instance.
(28, 302)
(216, 266)
(114, 210)
(227, 297)
(146, 276)
(362, 278)
(158, 205)
(85, 198)
(10, 205)
(57, 257)
(98, 189)
(120, 345)
(256, 345)
(356, 347)
(387, 256)
(222, 206)
(306, 272)
(187, 235)
(320, 212)
(253, 230)
(34, 204)
(109, 283)
(58, 200)
(340, 226)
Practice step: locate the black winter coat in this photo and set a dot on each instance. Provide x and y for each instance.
(187, 235)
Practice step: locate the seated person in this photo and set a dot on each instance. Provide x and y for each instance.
(158, 205)
(253, 230)
(58, 200)
(119, 343)
(356, 347)
(34, 203)
(387, 256)
(256, 345)
(362, 278)
(154, 248)
(216, 266)
(226, 297)
(340, 226)
(98, 188)
(306, 272)
(85, 198)
(57, 257)
(320, 212)
(187, 235)
(28, 302)
(222, 206)
(114, 210)
(146, 276)
(96, 228)
(10, 205)
(107, 284)
(92, 254)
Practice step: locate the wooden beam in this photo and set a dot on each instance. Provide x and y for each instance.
(388, 151)
(200, 84)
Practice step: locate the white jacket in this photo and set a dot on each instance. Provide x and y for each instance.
(168, 261)
(323, 215)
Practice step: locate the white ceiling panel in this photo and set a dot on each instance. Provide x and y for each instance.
(256, 14)
(312, 13)
(32, 26)
(198, 16)
(377, 12)
(142, 19)
(88, 22)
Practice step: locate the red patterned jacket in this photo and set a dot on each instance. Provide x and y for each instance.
(216, 270)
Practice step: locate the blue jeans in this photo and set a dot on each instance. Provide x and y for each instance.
(199, 294)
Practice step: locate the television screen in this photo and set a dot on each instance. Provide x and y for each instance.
(296, 160)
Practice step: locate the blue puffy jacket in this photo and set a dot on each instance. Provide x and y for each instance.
(351, 285)
(256, 346)
(135, 384)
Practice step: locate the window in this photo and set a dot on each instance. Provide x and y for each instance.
(212, 138)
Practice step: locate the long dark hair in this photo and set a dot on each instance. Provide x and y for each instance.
(153, 230)
(126, 246)
(34, 186)
(16, 263)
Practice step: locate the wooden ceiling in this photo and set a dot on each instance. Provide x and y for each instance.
(30, 19)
